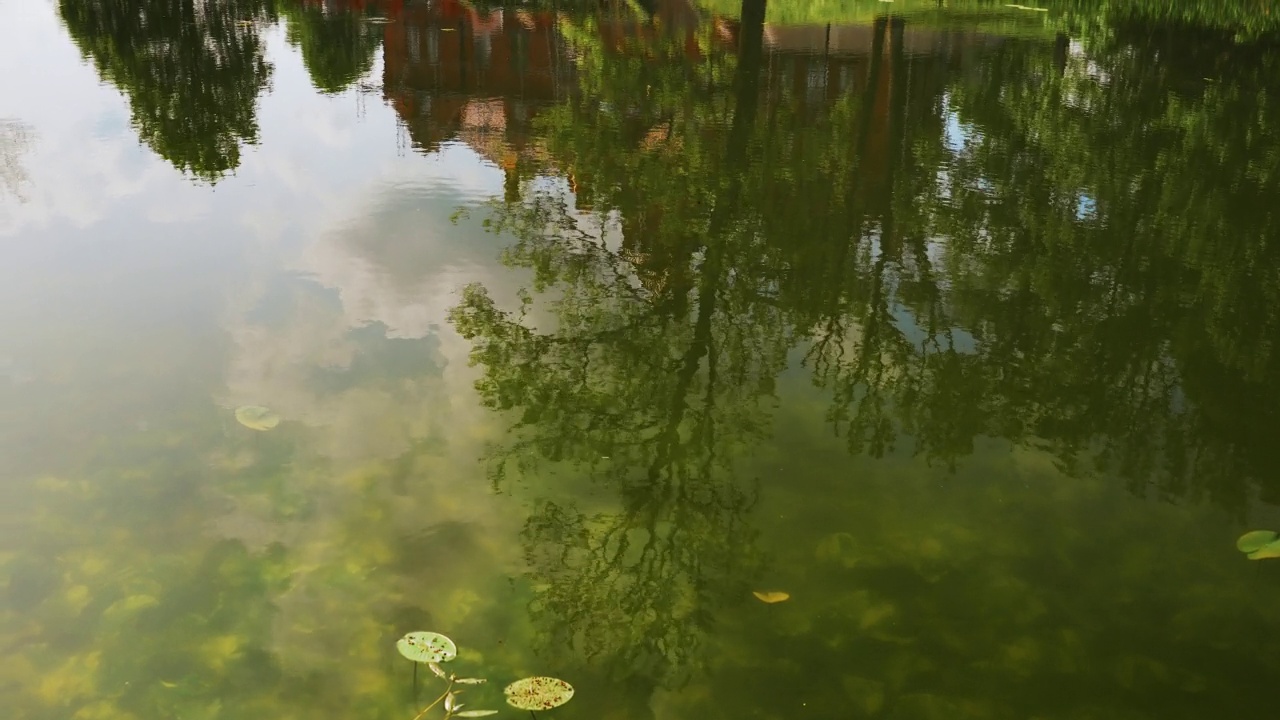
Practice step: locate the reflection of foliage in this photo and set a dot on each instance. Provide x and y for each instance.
(981, 14)
(1246, 19)
(652, 378)
(1064, 245)
(337, 47)
(1116, 334)
(656, 403)
(637, 590)
(192, 72)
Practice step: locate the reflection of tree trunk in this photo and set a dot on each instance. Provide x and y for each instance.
(853, 202)
(889, 244)
(869, 189)
(1061, 51)
(747, 86)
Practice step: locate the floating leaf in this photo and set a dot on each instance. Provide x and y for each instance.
(256, 417)
(471, 681)
(538, 693)
(771, 596)
(1270, 550)
(427, 647)
(475, 713)
(439, 671)
(1255, 540)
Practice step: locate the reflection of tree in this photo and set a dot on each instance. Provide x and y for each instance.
(656, 403)
(337, 46)
(653, 383)
(192, 72)
(1110, 231)
(1062, 246)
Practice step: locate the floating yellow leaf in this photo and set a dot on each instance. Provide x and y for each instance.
(771, 596)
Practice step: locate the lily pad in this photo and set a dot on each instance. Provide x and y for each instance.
(256, 417)
(1270, 550)
(427, 647)
(538, 693)
(1255, 540)
(771, 596)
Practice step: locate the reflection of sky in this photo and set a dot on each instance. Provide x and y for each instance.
(1086, 207)
(122, 280)
(139, 306)
(955, 135)
(957, 338)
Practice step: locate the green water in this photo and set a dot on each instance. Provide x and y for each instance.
(961, 327)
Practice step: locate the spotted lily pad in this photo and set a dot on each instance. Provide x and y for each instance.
(427, 647)
(538, 693)
(256, 417)
(1255, 540)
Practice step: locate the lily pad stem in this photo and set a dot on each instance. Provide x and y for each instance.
(423, 714)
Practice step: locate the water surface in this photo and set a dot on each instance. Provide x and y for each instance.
(957, 325)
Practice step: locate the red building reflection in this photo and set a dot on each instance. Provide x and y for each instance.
(457, 73)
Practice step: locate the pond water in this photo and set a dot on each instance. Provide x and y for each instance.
(591, 328)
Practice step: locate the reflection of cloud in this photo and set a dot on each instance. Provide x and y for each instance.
(86, 159)
(367, 232)
(188, 208)
(305, 360)
(15, 139)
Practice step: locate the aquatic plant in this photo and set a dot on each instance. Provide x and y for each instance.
(431, 649)
(1259, 544)
(538, 693)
